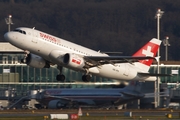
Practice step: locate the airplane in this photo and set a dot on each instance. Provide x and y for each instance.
(90, 97)
(42, 50)
(94, 97)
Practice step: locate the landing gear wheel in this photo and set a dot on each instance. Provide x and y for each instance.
(86, 78)
(26, 55)
(60, 78)
(23, 60)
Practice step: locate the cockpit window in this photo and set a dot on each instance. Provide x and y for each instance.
(24, 32)
(20, 31)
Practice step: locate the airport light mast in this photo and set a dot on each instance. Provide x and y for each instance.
(9, 22)
(158, 15)
(166, 44)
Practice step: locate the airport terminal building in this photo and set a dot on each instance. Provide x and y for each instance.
(22, 78)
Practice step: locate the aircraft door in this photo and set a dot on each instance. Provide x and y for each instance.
(126, 72)
(35, 36)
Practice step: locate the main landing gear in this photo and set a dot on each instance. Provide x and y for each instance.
(86, 78)
(24, 60)
(61, 77)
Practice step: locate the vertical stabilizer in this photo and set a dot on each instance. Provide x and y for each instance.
(150, 49)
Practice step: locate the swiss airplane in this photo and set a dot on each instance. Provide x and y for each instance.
(43, 50)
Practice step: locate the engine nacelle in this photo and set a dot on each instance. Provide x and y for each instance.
(36, 61)
(56, 104)
(74, 61)
(57, 56)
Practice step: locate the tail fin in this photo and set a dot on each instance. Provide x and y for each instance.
(150, 49)
(134, 86)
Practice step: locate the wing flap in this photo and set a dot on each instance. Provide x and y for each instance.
(132, 94)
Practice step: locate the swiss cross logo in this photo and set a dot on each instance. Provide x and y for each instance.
(148, 52)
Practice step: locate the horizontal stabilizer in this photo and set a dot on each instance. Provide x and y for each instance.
(160, 94)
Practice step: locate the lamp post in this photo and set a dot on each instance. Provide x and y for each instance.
(9, 22)
(166, 44)
(158, 15)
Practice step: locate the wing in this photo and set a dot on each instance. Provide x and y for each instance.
(160, 94)
(112, 53)
(81, 101)
(132, 94)
(154, 74)
(59, 97)
(93, 61)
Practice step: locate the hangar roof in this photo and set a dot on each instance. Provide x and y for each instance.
(6, 47)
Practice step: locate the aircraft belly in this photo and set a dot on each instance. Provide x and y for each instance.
(94, 70)
(98, 101)
(86, 101)
(105, 102)
(119, 73)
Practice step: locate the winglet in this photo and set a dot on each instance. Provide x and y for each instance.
(157, 58)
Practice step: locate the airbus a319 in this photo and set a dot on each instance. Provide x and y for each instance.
(43, 50)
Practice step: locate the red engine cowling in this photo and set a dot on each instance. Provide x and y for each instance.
(36, 61)
(74, 61)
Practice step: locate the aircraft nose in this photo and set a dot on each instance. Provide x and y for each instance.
(7, 36)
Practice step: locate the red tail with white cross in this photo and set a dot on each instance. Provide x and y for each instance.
(149, 49)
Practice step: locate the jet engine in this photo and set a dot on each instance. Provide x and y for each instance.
(56, 104)
(35, 61)
(74, 61)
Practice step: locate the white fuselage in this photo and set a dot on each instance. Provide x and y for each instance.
(43, 44)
